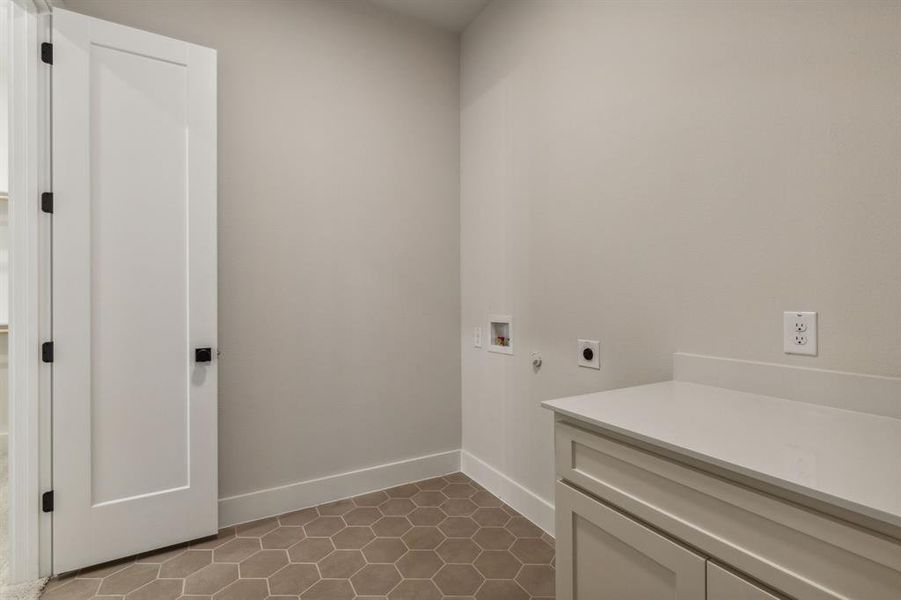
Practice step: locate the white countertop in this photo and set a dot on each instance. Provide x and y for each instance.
(848, 459)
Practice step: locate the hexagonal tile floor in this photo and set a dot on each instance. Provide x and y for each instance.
(435, 539)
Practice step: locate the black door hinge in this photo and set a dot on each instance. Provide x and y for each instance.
(47, 52)
(47, 501)
(47, 352)
(47, 202)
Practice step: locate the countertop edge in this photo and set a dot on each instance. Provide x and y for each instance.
(889, 519)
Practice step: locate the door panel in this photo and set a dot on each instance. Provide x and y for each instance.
(139, 274)
(601, 553)
(725, 585)
(134, 291)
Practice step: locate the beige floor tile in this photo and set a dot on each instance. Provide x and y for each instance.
(486, 499)
(459, 507)
(459, 580)
(160, 556)
(532, 551)
(310, 550)
(159, 589)
(523, 528)
(185, 563)
(128, 579)
(336, 508)
(366, 515)
(493, 538)
(415, 590)
(432, 484)
(74, 589)
(458, 490)
(491, 517)
(375, 580)
(403, 491)
(501, 590)
(497, 564)
(384, 550)
(538, 580)
(458, 550)
(256, 528)
(391, 526)
(330, 589)
(293, 579)
(419, 564)
(211, 579)
(263, 564)
(444, 538)
(324, 526)
(244, 589)
(429, 498)
(221, 538)
(352, 538)
(457, 478)
(457, 527)
(282, 538)
(236, 550)
(299, 518)
(423, 538)
(341, 564)
(106, 569)
(397, 507)
(427, 516)
(371, 499)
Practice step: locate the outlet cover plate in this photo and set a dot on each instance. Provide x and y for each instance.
(799, 332)
(595, 347)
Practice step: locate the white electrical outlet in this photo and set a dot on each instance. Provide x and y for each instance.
(799, 332)
(477, 337)
(589, 354)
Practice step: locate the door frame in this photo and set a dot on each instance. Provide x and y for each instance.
(29, 272)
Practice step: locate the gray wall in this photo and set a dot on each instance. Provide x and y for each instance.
(338, 232)
(671, 176)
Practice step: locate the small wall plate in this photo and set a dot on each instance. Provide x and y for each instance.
(799, 332)
(589, 354)
(500, 334)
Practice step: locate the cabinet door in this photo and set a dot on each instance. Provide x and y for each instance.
(724, 585)
(603, 554)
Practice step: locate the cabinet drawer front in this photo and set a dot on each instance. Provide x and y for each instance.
(723, 584)
(602, 553)
(801, 552)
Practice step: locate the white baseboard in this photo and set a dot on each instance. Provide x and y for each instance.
(526, 502)
(295, 496)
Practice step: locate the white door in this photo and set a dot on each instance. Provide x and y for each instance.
(134, 291)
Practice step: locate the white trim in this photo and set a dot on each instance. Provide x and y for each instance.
(874, 394)
(295, 496)
(520, 498)
(28, 172)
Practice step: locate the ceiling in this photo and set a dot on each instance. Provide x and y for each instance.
(450, 15)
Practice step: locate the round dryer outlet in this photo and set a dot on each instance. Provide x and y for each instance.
(589, 354)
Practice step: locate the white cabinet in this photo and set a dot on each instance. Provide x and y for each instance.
(602, 553)
(633, 523)
(725, 585)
